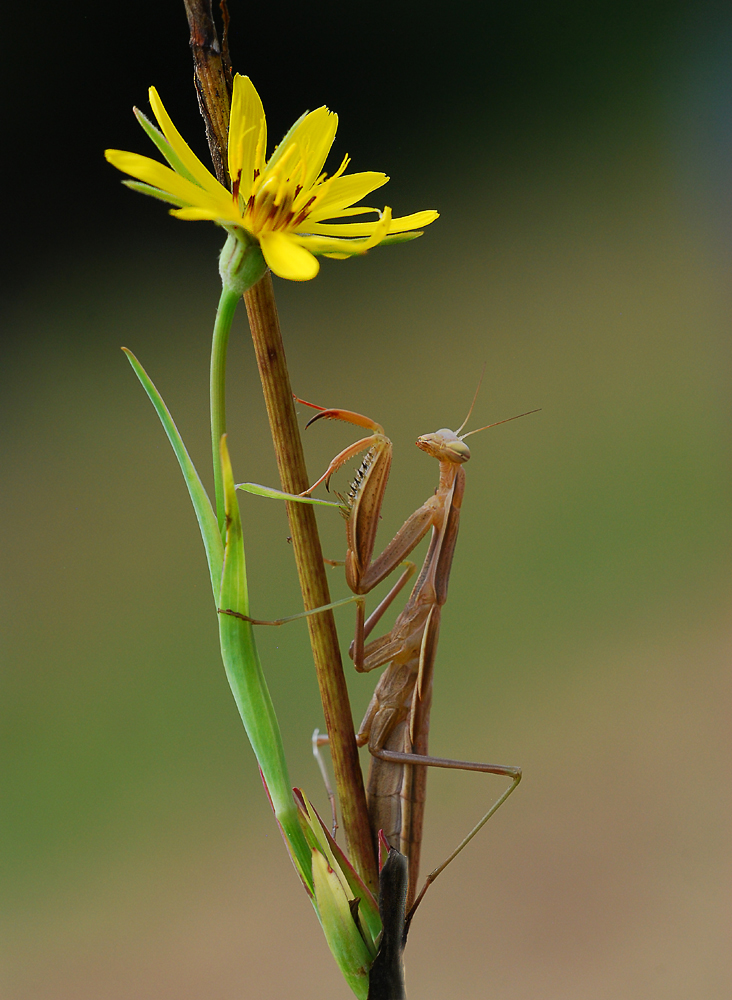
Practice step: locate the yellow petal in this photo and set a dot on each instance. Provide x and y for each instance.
(189, 159)
(190, 214)
(312, 136)
(315, 138)
(341, 229)
(340, 192)
(286, 258)
(152, 172)
(247, 131)
(327, 245)
(416, 221)
(334, 247)
(357, 210)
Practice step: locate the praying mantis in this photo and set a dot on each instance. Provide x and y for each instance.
(396, 724)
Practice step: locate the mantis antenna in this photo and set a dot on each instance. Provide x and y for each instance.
(487, 426)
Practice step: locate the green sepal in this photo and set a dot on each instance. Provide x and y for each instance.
(319, 836)
(154, 192)
(164, 146)
(399, 238)
(247, 683)
(199, 498)
(241, 262)
(267, 491)
(387, 241)
(341, 933)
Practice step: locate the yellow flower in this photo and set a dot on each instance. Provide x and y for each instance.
(283, 203)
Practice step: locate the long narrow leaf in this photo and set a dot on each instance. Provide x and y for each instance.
(247, 682)
(199, 498)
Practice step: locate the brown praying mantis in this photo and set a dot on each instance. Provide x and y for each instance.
(396, 724)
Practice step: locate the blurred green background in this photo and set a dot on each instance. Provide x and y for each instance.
(582, 162)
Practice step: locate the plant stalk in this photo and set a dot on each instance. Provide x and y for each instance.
(269, 349)
(213, 88)
(222, 327)
(213, 81)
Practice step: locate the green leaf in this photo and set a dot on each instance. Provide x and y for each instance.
(267, 491)
(199, 498)
(247, 683)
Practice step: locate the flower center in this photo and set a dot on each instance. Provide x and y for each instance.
(276, 199)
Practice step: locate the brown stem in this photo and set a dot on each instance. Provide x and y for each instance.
(213, 88)
(270, 352)
(213, 81)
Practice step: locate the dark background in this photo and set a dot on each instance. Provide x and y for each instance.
(581, 157)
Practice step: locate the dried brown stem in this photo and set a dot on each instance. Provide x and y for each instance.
(269, 349)
(212, 80)
(213, 88)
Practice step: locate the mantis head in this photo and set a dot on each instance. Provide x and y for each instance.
(445, 446)
(449, 446)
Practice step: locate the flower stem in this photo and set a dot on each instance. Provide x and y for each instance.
(241, 265)
(224, 316)
(269, 349)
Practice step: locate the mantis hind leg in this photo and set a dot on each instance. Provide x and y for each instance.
(417, 760)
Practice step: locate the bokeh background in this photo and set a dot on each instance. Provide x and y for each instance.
(581, 157)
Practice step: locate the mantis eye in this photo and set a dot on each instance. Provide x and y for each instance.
(460, 449)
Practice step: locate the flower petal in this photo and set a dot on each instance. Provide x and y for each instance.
(331, 247)
(344, 229)
(417, 220)
(186, 155)
(247, 133)
(356, 210)
(191, 214)
(340, 192)
(313, 136)
(341, 229)
(286, 258)
(152, 172)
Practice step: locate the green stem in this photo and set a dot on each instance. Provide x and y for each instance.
(241, 265)
(219, 345)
